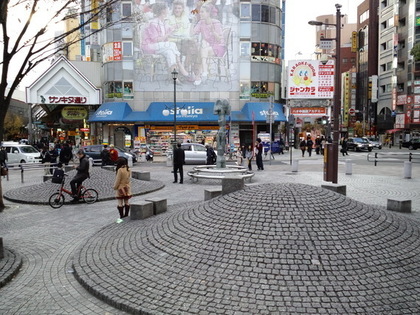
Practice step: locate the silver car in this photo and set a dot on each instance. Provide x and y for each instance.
(195, 153)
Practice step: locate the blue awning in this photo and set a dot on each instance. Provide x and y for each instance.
(258, 111)
(113, 111)
(196, 112)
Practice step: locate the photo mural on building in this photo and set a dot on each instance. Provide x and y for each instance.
(198, 39)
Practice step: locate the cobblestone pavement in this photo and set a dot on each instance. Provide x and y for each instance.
(47, 240)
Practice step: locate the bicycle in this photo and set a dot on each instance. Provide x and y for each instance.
(88, 195)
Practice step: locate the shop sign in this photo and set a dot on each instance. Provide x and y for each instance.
(74, 113)
(67, 99)
(84, 129)
(308, 111)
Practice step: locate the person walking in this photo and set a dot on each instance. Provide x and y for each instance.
(344, 147)
(318, 145)
(302, 146)
(122, 186)
(113, 154)
(81, 175)
(309, 145)
(258, 154)
(239, 156)
(210, 155)
(249, 154)
(105, 156)
(179, 161)
(66, 154)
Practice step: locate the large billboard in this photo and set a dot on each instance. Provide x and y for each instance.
(196, 38)
(310, 79)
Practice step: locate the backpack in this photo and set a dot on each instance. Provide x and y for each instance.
(58, 176)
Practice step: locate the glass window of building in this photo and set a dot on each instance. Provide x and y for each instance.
(256, 12)
(255, 49)
(127, 49)
(265, 13)
(126, 9)
(245, 30)
(245, 11)
(245, 49)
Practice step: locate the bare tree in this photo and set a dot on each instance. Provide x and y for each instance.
(26, 42)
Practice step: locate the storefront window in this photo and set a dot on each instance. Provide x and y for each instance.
(128, 90)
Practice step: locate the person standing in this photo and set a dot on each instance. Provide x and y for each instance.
(113, 154)
(309, 145)
(258, 154)
(249, 154)
(239, 156)
(210, 155)
(179, 161)
(46, 159)
(302, 146)
(81, 175)
(105, 156)
(317, 145)
(344, 147)
(3, 157)
(122, 186)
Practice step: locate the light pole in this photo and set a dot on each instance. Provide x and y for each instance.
(175, 77)
(270, 119)
(337, 92)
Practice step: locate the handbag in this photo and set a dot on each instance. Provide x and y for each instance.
(123, 192)
(4, 171)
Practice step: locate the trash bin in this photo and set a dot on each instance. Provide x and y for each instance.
(169, 159)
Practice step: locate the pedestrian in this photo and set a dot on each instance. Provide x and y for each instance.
(309, 145)
(302, 146)
(249, 154)
(66, 154)
(81, 175)
(54, 155)
(122, 186)
(239, 157)
(179, 161)
(105, 156)
(113, 154)
(211, 155)
(3, 157)
(344, 147)
(46, 160)
(317, 144)
(258, 154)
(323, 142)
(281, 146)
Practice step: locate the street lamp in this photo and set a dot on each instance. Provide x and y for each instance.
(337, 93)
(175, 109)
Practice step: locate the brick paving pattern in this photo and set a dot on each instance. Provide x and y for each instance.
(280, 248)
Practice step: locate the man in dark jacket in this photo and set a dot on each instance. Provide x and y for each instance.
(81, 175)
(65, 154)
(179, 161)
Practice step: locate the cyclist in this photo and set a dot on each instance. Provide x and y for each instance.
(81, 175)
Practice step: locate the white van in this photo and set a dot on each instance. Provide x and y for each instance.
(21, 153)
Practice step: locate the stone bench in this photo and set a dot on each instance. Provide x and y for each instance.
(141, 175)
(399, 205)
(109, 168)
(46, 177)
(341, 189)
(211, 193)
(232, 183)
(141, 210)
(159, 205)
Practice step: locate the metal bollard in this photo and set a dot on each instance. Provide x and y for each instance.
(349, 167)
(130, 161)
(407, 169)
(295, 165)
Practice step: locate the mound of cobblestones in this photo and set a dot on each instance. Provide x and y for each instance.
(267, 249)
(100, 179)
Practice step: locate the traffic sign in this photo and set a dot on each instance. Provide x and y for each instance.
(352, 111)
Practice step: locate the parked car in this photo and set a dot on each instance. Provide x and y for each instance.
(412, 144)
(195, 153)
(94, 151)
(21, 153)
(376, 144)
(359, 144)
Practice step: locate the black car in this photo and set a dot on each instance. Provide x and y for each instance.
(413, 144)
(359, 144)
(94, 151)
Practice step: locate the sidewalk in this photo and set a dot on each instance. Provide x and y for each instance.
(46, 240)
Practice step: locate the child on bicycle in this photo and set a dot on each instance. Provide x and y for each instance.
(81, 175)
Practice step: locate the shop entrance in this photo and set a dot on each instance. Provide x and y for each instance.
(123, 137)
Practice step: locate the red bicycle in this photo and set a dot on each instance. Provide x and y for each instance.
(88, 195)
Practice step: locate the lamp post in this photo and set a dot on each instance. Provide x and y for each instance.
(270, 119)
(337, 91)
(174, 77)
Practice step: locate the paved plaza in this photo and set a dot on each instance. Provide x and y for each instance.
(170, 264)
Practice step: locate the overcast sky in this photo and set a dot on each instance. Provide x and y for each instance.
(300, 36)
